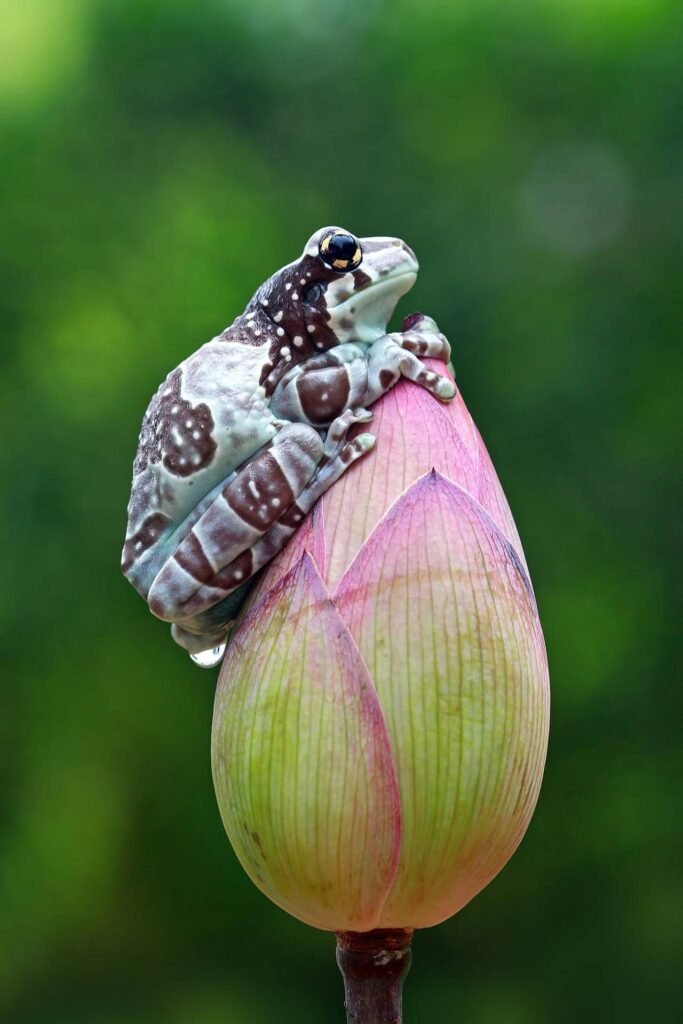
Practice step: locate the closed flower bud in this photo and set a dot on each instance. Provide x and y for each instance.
(381, 718)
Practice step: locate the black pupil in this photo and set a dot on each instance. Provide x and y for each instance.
(342, 247)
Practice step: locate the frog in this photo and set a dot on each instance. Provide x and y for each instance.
(242, 438)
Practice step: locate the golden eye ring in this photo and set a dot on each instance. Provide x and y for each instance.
(340, 251)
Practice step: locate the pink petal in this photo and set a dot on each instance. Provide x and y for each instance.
(490, 494)
(302, 762)
(444, 616)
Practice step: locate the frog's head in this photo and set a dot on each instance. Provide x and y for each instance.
(341, 289)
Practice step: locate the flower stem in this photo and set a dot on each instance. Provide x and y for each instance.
(374, 965)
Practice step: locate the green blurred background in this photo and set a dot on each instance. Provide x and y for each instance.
(160, 158)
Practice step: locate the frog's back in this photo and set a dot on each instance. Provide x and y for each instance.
(209, 415)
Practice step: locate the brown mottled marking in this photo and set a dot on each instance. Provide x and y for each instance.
(166, 436)
(191, 557)
(260, 492)
(235, 573)
(386, 379)
(350, 451)
(293, 516)
(419, 347)
(333, 384)
(146, 536)
(244, 334)
(360, 279)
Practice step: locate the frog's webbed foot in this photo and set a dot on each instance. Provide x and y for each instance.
(398, 355)
(422, 336)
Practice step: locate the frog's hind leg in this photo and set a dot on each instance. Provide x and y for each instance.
(338, 456)
(241, 513)
(203, 630)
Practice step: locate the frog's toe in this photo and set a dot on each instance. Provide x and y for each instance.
(426, 344)
(444, 389)
(339, 428)
(351, 416)
(198, 643)
(420, 322)
(357, 448)
(362, 416)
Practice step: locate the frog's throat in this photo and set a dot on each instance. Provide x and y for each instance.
(378, 289)
(372, 307)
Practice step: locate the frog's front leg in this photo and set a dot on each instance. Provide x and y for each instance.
(320, 389)
(353, 376)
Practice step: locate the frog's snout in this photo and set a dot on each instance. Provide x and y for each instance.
(388, 257)
(409, 252)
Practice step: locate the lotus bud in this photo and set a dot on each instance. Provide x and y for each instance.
(381, 718)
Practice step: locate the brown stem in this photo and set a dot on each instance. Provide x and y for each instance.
(374, 966)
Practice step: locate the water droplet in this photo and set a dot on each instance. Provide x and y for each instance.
(210, 658)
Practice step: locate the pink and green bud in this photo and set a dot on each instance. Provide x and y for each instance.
(381, 718)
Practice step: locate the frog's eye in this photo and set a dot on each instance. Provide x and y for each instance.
(340, 251)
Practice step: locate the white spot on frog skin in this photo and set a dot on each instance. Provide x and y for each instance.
(250, 316)
(264, 302)
(238, 574)
(175, 409)
(295, 296)
(288, 286)
(310, 328)
(196, 434)
(253, 488)
(324, 396)
(189, 423)
(275, 502)
(318, 344)
(177, 436)
(278, 317)
(298, 341)
(285, 351)
(280, 332)
(256, 331)
(303, 280)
